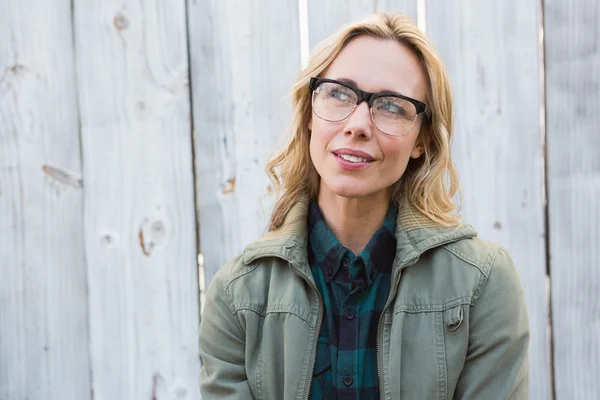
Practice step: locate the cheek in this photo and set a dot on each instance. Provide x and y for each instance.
(311, 147)
(319, 139)
(316, 149)
(394, 149)
(396, 154)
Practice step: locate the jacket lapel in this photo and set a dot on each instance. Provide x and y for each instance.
(415, 234)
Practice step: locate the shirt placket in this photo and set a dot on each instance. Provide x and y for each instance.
(348, 328)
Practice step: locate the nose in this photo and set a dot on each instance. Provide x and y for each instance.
(359, 123)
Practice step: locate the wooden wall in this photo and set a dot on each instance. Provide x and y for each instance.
(44, 332)
(492, 52)
(98, 262)
(245, 55)
(573, 172)
(134, 136)
(139, 220)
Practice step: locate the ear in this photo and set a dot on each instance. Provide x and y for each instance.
(419, 147)
(418, 150)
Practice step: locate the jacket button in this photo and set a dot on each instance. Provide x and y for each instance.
(348, 380)
(329, 271)
(349, 313)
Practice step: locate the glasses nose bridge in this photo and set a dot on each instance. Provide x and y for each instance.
(363, 96)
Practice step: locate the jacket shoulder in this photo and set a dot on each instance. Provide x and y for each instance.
(242, 268)
(263, 285)
(232, 269)
(475, 252)
(489, 259)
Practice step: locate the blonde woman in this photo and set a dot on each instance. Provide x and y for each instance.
(367, 285)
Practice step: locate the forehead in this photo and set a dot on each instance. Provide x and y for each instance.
(378, 65)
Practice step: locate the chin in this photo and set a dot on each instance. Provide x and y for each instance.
(351, 190)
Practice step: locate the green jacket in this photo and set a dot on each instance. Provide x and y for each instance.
(455, 324)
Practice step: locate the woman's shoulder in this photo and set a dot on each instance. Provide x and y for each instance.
(459, 270)
(254, 269)
(493, 264)
(479, 253)
(261, 285)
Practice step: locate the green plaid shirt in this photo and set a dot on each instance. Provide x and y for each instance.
(354, 291)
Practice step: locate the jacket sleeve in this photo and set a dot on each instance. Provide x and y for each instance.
(222, 348)
(497, 364)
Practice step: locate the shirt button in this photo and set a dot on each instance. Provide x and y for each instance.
(349, 313)
(345, 262)
(329, 271)
(348, 380)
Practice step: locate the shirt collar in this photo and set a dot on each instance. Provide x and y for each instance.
(328, 253)
(415, 233)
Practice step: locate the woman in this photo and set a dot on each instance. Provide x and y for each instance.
(366, 285)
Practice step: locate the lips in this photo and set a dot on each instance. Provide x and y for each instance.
(353, 160)
(354, 155)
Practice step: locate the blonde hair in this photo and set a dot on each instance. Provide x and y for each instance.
(429, 182)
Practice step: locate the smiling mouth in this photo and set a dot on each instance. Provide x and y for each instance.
(353, 159)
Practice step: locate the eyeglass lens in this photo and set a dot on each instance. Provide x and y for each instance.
(391, 115)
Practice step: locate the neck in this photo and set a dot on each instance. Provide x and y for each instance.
(353, 221)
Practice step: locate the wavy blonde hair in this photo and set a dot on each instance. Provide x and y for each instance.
(429, 182)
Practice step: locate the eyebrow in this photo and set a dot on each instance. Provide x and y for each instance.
(353, 83)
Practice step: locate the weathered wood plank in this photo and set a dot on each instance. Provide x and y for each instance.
(43, 302)
(244, 57)
(327, 16)
(572, 42)
(139, 199)
(406, 7)
(492, 53)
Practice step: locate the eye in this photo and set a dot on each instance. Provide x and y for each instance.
(395, 107)
(392, 107)
(340, 93)
(335, 92)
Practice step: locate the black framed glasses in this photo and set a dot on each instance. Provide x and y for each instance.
(392, 113)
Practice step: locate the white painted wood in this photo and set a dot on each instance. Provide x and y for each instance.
(137, 184)
(327, 16)
(140, 239)
(43, 306)
(406, 7)
(245, 56)
(573, 101)
(492, 52)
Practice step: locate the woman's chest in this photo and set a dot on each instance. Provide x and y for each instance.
(420, 350)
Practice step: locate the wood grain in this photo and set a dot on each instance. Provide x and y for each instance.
(573, 99)
(327, 16)
(98, 287)
(406, 7)
(492, 52)
(244, 58)
(140, 235)
(43, 303)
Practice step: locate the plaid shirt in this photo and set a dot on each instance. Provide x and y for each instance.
(354, 291)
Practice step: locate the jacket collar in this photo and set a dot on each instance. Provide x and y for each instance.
(415, 233)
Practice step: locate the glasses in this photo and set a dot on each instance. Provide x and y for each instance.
(392, 113)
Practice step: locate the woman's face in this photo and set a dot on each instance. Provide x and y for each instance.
(373, 65)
